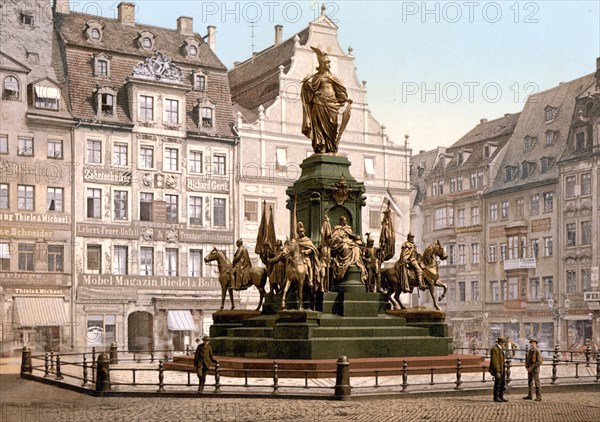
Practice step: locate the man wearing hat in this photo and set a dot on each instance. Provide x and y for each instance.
(533, 361)
(497, 369)
(202, 360)
(408, 259)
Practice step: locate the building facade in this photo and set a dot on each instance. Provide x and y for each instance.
(266, 94)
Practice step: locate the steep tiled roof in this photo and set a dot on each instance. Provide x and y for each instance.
(489, 130)
(532, 123)
(256, 81)
(119, 43)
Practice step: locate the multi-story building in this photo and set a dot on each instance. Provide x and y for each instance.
(452, 210)
(36, 147)
(266, 93)
(153, 176)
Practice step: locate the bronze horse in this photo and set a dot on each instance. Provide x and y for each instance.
(258, 276)
(296, 269)
(431, 276)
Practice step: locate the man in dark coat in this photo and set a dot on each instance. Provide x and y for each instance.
(202, 361)
(533, 361)
(497, 369)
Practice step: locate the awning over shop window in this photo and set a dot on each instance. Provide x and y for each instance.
(180, 321)
(47, 92)
(40, 311)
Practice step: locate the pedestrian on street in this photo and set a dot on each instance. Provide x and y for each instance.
(533, 361)
(511, 348)
(497, 369)
(202, 361)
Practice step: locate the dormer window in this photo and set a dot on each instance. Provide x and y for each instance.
(46, 96)
(106, 98)
(101, 65)
(107, 104)
(549, 113)
(528, 169)
(551, 137)
(193, 51)
(27, 18)
(94, 31)
(580, 144)
(146, 43)
(207, 117)
(200, 82)
(10, 89)
(510, 173)
(146, 40)
(529, 143)
(191, 47)
(546, 164)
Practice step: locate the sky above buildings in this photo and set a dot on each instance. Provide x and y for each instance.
(433, 69)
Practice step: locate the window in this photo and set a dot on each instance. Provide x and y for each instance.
(207, 117)
(494, 291)
(146, 157)
(439, 218)
(513, 247)
(4, 257)
(586, 232)
(374, 216)
(25, 197)
(460, 217)
(94, 258)
(549, 114)
(280, 158)
(513, 288)
(551, 137)
(25, 146)
(474, 291)
(580, 141)
(171, 159)
(4, 196)
(120, 154)
(570, 186)
(474, 216)
(94, 203)
(3, 144)
(461, 255)
(510, 173)
(534, 289)
(462, 292)
(451, 252)
(534, 204)
(493, 253)
(55, 258)
(193, 50)
(548, 201)
(10, 89)
(476, 179)
(502, 252)
(571, 234)
(441, 187)
(520, 208)
(548, 287)
(459, 184)
(120, 260)
(26, 254)
(146, 200)
(146, 261)
(493, 212)
(195, 165)
(46, 97)
(146, 43)
(101, 330)
(171, 111)
(27, 18)
(55, 199)
(120, 203)
(55, 149)
(219, 164)
(586, 184)
(200, 83)
(195, 264)
(528, 169)
(504, 213)
(219, 212)
(434, 189)
(547, 164)
(250, 210)
(172, 264)
(547, 246)
(101, 68)
(529, 143)
(571, 281)
(535, 248)
(196, 210)
(146, 108)
(475, 253)
(172, 208)
(94, 151)
(586, 280)
(452, 184)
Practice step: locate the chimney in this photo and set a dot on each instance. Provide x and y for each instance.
(211, 37)
(481, 121)
(126, 13)
(61, 6)
(185, 25)
(278, 34)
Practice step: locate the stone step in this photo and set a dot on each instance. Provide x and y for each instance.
(250, 332)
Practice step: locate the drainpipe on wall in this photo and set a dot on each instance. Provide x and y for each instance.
(73, 234)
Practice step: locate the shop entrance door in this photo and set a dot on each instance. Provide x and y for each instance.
(140, 331)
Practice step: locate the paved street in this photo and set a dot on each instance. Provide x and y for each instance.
(30, 401)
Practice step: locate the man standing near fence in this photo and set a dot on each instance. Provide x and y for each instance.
(202, 361)
(533, 361)
(497, 369)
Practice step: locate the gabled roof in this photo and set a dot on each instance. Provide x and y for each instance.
(532, 123)
(489, 129)
(255, 82)
(10, 64)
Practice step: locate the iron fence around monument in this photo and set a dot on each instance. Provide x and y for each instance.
(93, 373)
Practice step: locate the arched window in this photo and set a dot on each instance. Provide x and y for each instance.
(193, 50)
(207, 117)
(10, 89)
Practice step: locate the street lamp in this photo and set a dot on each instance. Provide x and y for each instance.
(558, 312)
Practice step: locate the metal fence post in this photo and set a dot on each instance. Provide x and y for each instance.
(26, 367)
(114, 353)
(58, 372)
(458, 374)
(275, 378)
(342, 379)
(161, 376)
(85, 372)
(46, 366)
(508, 366)
(151, 353)
(217, 377)
(102, 373)
(51, 360)
(404, 376)
(93, 364)
(588, 354)
(554, 364)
